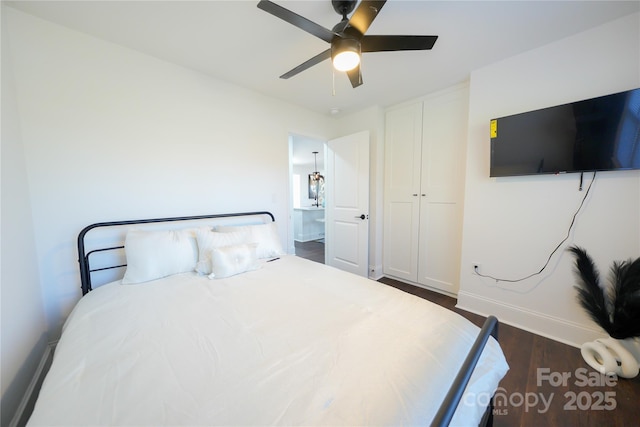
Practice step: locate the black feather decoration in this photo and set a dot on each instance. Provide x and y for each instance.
(617, 308)
(590, 293)
(625, 277)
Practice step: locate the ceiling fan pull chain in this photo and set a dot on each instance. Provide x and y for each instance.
(333, 82)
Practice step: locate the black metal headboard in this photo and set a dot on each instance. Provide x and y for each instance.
(83, 258)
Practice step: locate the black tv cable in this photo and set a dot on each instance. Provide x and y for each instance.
(573, 221)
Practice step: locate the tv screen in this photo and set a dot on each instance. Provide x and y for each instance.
(597, 134)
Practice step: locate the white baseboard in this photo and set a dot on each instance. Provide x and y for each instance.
(420, 285)
(23, 412)
(542, 324)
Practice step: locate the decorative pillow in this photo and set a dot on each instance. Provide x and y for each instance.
(155, 254)
(228, 261)
(265, 235)
(209, 239)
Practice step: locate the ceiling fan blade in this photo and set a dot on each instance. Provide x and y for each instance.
(297, 20)
(355, 76)
(308, 64)
(365, 14)
(391, 43)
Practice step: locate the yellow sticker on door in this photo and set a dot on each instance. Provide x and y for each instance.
(494, 128)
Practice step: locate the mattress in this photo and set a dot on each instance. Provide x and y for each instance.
(292, 343)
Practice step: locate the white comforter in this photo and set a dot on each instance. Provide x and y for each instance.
(293, 343)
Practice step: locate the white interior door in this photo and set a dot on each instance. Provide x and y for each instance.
(347, 203)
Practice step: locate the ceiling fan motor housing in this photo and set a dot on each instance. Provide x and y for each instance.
(341, 44)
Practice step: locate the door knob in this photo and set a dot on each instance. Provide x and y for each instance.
(363, 216)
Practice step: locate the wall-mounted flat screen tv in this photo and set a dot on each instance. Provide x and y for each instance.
(598, 134)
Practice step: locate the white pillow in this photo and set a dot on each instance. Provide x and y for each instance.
(209, 239)
(265, 235)
(155, 254)
(228, 261)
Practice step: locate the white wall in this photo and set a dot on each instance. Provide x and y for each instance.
(111, 134)
(512, 224)
(24, 336)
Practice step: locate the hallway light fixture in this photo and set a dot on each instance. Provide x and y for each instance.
(315, 181)
(316, 174)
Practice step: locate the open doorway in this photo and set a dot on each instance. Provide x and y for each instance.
(307, 204)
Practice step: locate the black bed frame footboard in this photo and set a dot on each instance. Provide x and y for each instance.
(448, 408)
(83, 258)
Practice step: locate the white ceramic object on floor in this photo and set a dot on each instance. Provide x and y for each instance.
(612, 356)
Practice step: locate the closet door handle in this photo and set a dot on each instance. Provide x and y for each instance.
(363, 216)
(415, 194)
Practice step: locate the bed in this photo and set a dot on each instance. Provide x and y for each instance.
(213, 324)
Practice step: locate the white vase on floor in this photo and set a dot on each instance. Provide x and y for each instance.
(613, 356)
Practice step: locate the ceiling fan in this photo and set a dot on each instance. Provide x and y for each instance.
(347, 38)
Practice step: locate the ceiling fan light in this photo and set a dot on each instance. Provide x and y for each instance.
(345, 61)
(345, 54)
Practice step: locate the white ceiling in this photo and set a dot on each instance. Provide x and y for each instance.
(237, 42)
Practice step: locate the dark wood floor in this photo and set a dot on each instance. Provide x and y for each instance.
(529, 397)
(584, 400)
(313, 250)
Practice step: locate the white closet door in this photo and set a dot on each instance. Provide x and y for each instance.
(442, 183)
(403, 139)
